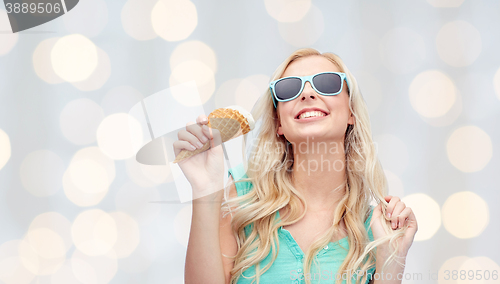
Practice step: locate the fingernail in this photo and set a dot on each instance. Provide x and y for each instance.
(388, 215)
(199, 144)
(393, 225)
(205, 127)
(204, 139)
(192, 147)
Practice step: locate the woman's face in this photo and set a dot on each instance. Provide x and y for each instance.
(331, 127)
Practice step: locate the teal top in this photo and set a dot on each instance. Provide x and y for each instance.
(287, 268)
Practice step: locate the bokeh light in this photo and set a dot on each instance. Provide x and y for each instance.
(306, 31)
(127, 234)
(483, 266)
(469, 149)
(5, 149)
(193, 70)
(79, 20)
(147, 175)
(74, 57)
(42, 63)
(402, 50)
(94, 232)
(194, 50)
(250, 89)
(451, 264)
(432, 93)
(41, 173)
(143, 256)
(427, 212)
(55, 222)
(287, 11)
(31, 248)
(114, 136)
(100, 75)
(136, 19)
(12, 270)
(174, 20)
(224, 96)
(79, 194)
(64, 275)
(98, 269)
(465, 215)
(459, 43)
(89, 176)
(8, 40)
(79, 121)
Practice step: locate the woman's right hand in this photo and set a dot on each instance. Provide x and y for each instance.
(204, 171)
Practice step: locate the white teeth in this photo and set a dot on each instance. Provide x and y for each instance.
(311, 113)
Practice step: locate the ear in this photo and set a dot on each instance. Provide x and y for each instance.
(351, 119)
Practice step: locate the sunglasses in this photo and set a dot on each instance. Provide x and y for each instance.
(325, 83)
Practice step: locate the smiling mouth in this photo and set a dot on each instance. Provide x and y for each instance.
(311, 114)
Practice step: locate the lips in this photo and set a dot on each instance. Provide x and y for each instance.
(310, 109)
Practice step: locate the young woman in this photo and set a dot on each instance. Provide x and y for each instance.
(300, 206)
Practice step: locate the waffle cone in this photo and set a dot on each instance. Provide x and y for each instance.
(230, 123)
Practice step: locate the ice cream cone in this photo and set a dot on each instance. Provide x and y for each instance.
(231, 122)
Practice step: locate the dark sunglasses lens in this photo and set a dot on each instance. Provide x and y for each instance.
(327, 83)
(287, 88)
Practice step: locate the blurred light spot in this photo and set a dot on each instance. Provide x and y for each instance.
(79, 20)
(138, 202)
(146, 175)
(194, 50)
(193, 70)
(41, 173)
(115, 133)
(136, 19)
(402, 50)
(371, 90)
(250, 89)
(450, 116)
(94, 232)
(64, 275)
(459, 43)
(86, 197)
(224, 96)
(306, 31)
(143, 256)
(469, 149)
(9, 39)
(496, 83)
(465, 215)
(55, 222)
(432, 93)
(174, 20)
(127, 232)
(445, 3)
(74, 58)
(89, 176)
(46, 243)
(5, 149)
(182, 224)
(12, 270)
(120, 99)
(94, 269)
(100, 75)
(393, 153)
(79, 121)
(42, 64)
(483, 266)
(396, 187)
(287, 11)
(450, 264)
(29, 252)
(427, 212)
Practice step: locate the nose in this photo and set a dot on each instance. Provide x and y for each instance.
(308, 92)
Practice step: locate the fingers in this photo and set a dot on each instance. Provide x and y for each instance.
(397, 212)
(213, 135)
(202, 119)
(193, 134)
(182, 145)
(392, 204)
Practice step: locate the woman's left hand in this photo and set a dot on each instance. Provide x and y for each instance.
(400, 215)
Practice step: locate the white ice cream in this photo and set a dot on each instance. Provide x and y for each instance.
(246, 114)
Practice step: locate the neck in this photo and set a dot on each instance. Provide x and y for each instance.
(319, 174)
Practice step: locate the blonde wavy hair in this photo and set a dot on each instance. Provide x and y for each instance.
(269, 170)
